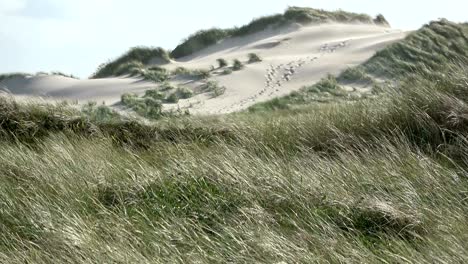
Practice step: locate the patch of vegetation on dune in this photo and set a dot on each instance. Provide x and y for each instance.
(426, 52)
(303, 15)
(137, 55)
(198, 74)
(7, 76)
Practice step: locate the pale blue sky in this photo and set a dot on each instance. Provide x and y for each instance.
(75, 36)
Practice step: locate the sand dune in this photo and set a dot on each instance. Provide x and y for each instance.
(63, 88)
(290, 61)
(292, 57)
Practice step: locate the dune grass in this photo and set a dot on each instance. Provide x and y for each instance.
(371, 181)
(198, 74)
(137, 55)
(426, 50)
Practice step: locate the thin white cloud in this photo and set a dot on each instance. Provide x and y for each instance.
(11, 6)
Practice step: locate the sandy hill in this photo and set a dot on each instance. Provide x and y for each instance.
(296, 48)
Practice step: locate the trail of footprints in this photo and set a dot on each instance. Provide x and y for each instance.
(277, 75)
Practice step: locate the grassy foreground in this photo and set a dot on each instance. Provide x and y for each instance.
(378, 180)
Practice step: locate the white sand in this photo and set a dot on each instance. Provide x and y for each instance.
(106, 90)
(292, 57)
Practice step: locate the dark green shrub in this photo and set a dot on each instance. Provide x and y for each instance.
(381, 20)
(237, 65)
(198, 41)
(131, 68)
(222, 63)
(128, 99)
(164, 87)
(173, 98)
(183, 93)
(154, 94)
(98, 113)
(226, 72)
(254, 58)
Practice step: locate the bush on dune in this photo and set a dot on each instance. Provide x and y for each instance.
(139, 55)
(222, 63)
(237, 65)
(253, 58)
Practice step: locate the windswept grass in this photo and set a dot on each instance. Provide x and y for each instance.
(427, 50)
(372, 181)
(377, 180)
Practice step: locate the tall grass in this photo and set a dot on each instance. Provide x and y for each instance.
(377, 180)
(372, 181)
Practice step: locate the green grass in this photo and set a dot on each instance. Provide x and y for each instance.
(376, 180)
(148, 106)
(371, 181)
(213, 88)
